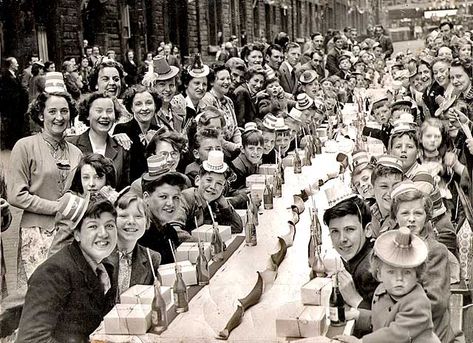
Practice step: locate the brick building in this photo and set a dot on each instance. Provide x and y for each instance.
(55, 29)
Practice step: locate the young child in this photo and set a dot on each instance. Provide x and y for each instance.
(405, 145)
(267, 127)
(247, 162)
(274, 99)
(361, 176)
(382, 114)
(401, 311)
(205, 141)
(209, 191)
(131, 261)
(386, 174)
(283, 137)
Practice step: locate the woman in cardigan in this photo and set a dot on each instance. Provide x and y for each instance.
(41, 171)
(99, 113)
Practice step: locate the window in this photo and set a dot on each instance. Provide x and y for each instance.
(42, 43)
(215, 22)
(125, 16)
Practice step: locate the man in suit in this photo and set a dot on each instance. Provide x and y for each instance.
(172, 60)
(288, 79)
(384, 41)
(332, 64)
(13, 106)
(70, 293)
(316, 63)
(316, 43)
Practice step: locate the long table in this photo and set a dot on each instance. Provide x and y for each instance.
(213, 305)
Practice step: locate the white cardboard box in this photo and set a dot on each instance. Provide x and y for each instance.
(144, 294)
(257, 189)
(128, 319)
(312, 291)
(189, 251)
(297, 320)
(258, 179)
(204, 232)
(267, 169)
(168, 274)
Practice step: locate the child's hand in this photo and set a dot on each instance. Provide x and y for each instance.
(450, 159)
(347, 339)
(352, 314)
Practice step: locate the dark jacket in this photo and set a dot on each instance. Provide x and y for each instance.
(383, 134)
(65, 300)
(358, 267)
(119, 156)
(131, 69)
(157, 238)
(141, 273)
(245, 105)
(242, 168)
(287, 79)
(331, 63)
(138, 148)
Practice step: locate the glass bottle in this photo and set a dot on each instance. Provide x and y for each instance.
(318, 267)
(317, 144)
(297, 163)
(250, 229)
(216, 244)
(254, 208)
(268, 196)
(159, 318)
(277, 185)
(179, 290)
(337, 304)
(202, 267)
(308, 153)
(312, 248)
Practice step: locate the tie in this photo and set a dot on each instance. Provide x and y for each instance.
(126, 256)
(103, 277)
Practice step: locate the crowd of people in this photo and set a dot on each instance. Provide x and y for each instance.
(112, 160)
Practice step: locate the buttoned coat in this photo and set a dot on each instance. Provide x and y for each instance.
(287, 80)
(406, 319)
(119, 156)
(65, 301)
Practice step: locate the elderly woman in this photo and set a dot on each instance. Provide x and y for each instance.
(220, 81)
(169, 145)
(99, 113)
(144, 104)
(162, 81)
(245, 101)
(41, 171)
(412, 209)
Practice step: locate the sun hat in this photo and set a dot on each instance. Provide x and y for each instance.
(280, 125)
(400, 248)
(54, 82)
(163, 70)
(337, 193)
(303, 101)
(404, 124)
(390, 161)
(198, 68)
(215, 162)
(72, 207)
(157, 166)
(308, 76)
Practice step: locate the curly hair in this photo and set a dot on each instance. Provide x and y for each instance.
(131, 92)
(252, 71)
(248, 48)
(94, 75)
(412, 195)
(216, 68)
(86, 103)
(178, 141)
(37, 106)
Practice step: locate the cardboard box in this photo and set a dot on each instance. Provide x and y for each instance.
(144, 294)
(128, 319)
(258, 179)
(311, 292)
(301, 321)
(189, 251)
(257, 190)
(289, 159)
(168, 274)
(205, 232)
(267, 169)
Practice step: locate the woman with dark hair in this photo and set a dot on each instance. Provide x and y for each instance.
(99, 113)
(144, 104)
(245, 95)
(37, 82)
(130, 68)
(41, 171)
(93, 172)
(107, 78)
(220, 81)
(460, 77)
(252, 54)
(169, 145)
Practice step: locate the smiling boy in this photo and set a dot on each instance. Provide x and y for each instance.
(210, 184)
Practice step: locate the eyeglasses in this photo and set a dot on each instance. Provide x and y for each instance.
(174, 154)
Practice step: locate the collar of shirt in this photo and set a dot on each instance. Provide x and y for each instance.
(289, 66)
(189, 103)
